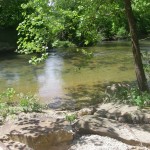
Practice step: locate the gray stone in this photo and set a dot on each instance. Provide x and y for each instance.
(86, 111)
(147, 118)
(129, 134)
(123, 113)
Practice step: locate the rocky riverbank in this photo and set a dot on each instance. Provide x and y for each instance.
(106, 126)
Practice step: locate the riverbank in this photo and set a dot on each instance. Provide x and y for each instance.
(51, 130)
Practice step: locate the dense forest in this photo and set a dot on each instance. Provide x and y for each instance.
(82, 22)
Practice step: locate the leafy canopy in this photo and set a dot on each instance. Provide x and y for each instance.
(65, 23)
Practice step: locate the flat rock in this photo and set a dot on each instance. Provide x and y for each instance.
(12, 145)
(123, 113)
(129, 134)
(86, 111)
(39, 133)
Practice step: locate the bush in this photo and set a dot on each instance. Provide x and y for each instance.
(138, 98)
(124, 93)
(29, 103)
(8, 96)
(13, 103)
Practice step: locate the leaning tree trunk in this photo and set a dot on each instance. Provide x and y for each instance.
(140, 74)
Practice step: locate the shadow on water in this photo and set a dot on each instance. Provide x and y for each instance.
(84, 96)
(14, 56)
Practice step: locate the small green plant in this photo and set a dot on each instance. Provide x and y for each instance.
(127, 94)
(13, 103)
(117, 92)
(29, 103)
(3, 109)
(6, 110)
(138, 98)
(70, 118)
(8, 96)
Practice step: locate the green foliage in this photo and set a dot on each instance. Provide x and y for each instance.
(35, 60)
(7, 109)
(39, 29)
(142, 14)
(127, 94)
(70, 118)
(64, 44)
(76, 21)
(117, 92)
(121, 32)
(79, 22)
(146, 63)
(12, 103)
(66, 23)
(3, 109)
(29, 103)
(8, 96)
(138, 98)
(10, 12)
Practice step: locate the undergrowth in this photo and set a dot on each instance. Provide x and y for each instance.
(124, 93)
(12, 102)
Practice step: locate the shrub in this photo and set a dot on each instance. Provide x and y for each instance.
(29, 103)
(124, 93)
(12, 103)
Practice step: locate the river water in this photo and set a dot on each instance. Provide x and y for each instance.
(67, 79)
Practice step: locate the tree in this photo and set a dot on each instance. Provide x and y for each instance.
(10, 13)
(142, 15)
(74, 22)
(141, 78)
(64, 23)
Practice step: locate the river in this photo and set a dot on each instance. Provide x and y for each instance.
(69, 80)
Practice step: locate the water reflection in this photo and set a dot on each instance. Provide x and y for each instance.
(50, 80)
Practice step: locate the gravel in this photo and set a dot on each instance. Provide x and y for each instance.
(96, 142)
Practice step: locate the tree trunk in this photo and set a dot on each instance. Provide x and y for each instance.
(140, 74)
